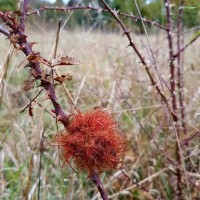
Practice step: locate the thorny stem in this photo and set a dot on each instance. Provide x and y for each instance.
(24, 15)
(188, 138)
(180, 68)
(173, 96)
(187, 45)
(97, 9)
(155, 143)
(8, 22)
(31, 100)
(4, 31)
(172, 67)
(131, 43)
(27, 50)
(173, 111)
(99, 185)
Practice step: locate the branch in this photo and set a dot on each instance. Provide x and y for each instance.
(17, 31)
(131, 43)
(149, 178)
(4, 31)
(187, 45)
(63, 9)
(8, 21)
(144, 20)
(169, 26)
(31, 101)
(17, 36)
(172, 67)
(180, 67)
(174, 101)
(24, 15)
(99, 185)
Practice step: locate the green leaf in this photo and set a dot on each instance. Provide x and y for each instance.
(190, 7)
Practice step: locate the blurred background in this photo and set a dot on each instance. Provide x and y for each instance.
(84, 19)
(111, 75)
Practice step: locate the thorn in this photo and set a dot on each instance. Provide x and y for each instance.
(127, 32)
(37, 11)
(46, 97)
(59, 118)
(129, 45)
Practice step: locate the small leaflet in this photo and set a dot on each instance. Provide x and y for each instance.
(67, 61)
(62, 78)
(28, 84)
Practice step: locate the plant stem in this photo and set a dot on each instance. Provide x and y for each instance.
(4, 31)
(187, 45)
(24, 15)
(49, 87)
(172, 67)
(180, 68)
(174, 101)
(99, 185)
(96, 9)
(147, 68)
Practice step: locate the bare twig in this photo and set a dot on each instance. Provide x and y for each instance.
(29, 177)
(172, 67)
(147, 68)
(57, 39)
(31, 100)
(96, 9)
(187, 45)
(180, 68)
(27, 50)
(4, 71)
(99, 185)
(173, 96)
(149, 178)
(4, 31)
(24, 15)
(25, 47)
(42, 149)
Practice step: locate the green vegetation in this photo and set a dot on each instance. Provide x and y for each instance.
(109, 75)
(20, 134)
(6, 5)
(154, 10)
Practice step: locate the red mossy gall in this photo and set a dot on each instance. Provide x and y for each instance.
(91, 142)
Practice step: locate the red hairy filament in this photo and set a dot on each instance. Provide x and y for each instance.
(91, 142)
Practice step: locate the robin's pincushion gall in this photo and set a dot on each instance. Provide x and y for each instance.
(91, 142)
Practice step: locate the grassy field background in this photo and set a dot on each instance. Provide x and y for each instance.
(111, 75)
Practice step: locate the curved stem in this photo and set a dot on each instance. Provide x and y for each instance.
(99, 185)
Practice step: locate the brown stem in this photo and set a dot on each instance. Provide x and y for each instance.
(8, 22)
(180, 68)
(97, 9)
(27, 50)
(173, 96)
(48, 86)
(24, 15)
(99, 185)
(132, 44)
(187, 45)
(172, 67)
(31, 101)
(4, 31)
(173, 111)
